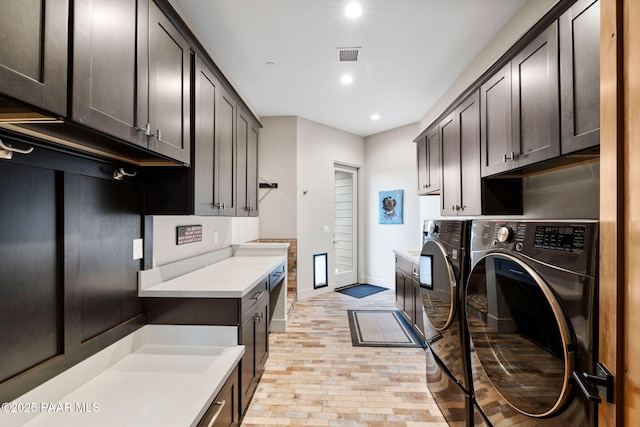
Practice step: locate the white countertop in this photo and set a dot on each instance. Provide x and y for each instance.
(167, 376)
(233, 277)
(411, 255)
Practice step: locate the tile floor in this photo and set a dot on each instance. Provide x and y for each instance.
(314, 376)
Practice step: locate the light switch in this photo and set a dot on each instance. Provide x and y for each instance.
(137, 248)
(326, 228)
(215, 237)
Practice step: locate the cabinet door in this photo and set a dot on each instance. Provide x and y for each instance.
(32, 282)
(418, 312)
(450, 140)
(423, 171)
(495, 123)
(252, 169)
(33, 52)
(255, 338)
(242, 146)
(262, 335)
(169, 88)
(428, 151)
(580, 76)
(399, 289)
(468, 118)
(409, 299)
(225, 155)
(110, 67)
(536, 113)
(433, 152)
(224, 411)
(206, 94)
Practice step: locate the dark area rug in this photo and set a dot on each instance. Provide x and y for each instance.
(380, 328)
(361, 291)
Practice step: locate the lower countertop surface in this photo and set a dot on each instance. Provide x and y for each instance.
(411, 255)
(233, 277)
(160, 382)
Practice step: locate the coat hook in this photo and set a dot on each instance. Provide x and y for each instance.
(119, 174)
(6, 150)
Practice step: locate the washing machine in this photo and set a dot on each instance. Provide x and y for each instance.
(443, 269)
(531, 311)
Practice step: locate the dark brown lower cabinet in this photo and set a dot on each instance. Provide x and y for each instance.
(224, 410)
(255, 338)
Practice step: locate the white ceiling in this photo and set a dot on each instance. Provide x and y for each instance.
(412, 51)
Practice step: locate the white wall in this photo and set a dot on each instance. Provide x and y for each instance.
(277, 154)
(518, 25)
(165, 248)
(319, 148)
(391, 165)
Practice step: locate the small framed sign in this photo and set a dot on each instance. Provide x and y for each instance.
(188, 234)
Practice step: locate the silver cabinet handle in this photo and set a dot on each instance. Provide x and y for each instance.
(511, 156)
(220, 405)
(257, 295)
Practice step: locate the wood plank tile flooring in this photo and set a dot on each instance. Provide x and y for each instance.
(314, 376)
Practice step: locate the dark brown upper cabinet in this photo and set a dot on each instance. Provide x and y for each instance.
(214, 145)
(428, 154)
(226, 154)
(520, 113)
(536, 100)
(247, 165)
(132, 75)
(110, 67)
(33, 53)
(460, 137)
(169, 88)
(580, 76)
(495, 122)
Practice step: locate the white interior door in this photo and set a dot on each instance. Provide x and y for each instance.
(345, 242)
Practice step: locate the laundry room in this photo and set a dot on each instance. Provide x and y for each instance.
(347, 212)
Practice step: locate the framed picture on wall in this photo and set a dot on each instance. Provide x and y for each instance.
(390, 207)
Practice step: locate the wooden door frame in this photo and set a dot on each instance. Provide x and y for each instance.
(619, 206)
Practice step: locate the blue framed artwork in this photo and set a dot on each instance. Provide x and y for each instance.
(390, 207)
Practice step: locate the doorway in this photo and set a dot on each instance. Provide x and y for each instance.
(345, 241)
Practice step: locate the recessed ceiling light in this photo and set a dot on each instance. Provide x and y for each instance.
(346, 79)
(353, 10)
(269, 64)
(375, 117)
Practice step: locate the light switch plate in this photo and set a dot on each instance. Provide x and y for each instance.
(215, 237)
(138, 244)
(326, 228)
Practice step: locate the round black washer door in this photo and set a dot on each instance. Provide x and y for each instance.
(438, 285)
(520, 334)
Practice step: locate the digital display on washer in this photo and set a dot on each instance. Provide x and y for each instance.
(569, 238)
(426, 271)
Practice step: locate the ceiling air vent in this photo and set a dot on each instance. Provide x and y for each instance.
(348, 54)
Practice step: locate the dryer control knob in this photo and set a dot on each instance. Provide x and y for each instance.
(432, 227)
(505, 235)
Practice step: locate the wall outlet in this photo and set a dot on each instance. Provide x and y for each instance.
(138, 244)
(215, 237)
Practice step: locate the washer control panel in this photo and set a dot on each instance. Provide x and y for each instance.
(554, 237)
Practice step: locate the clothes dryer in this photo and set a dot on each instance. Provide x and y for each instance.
(531, 310)
(443, 269)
